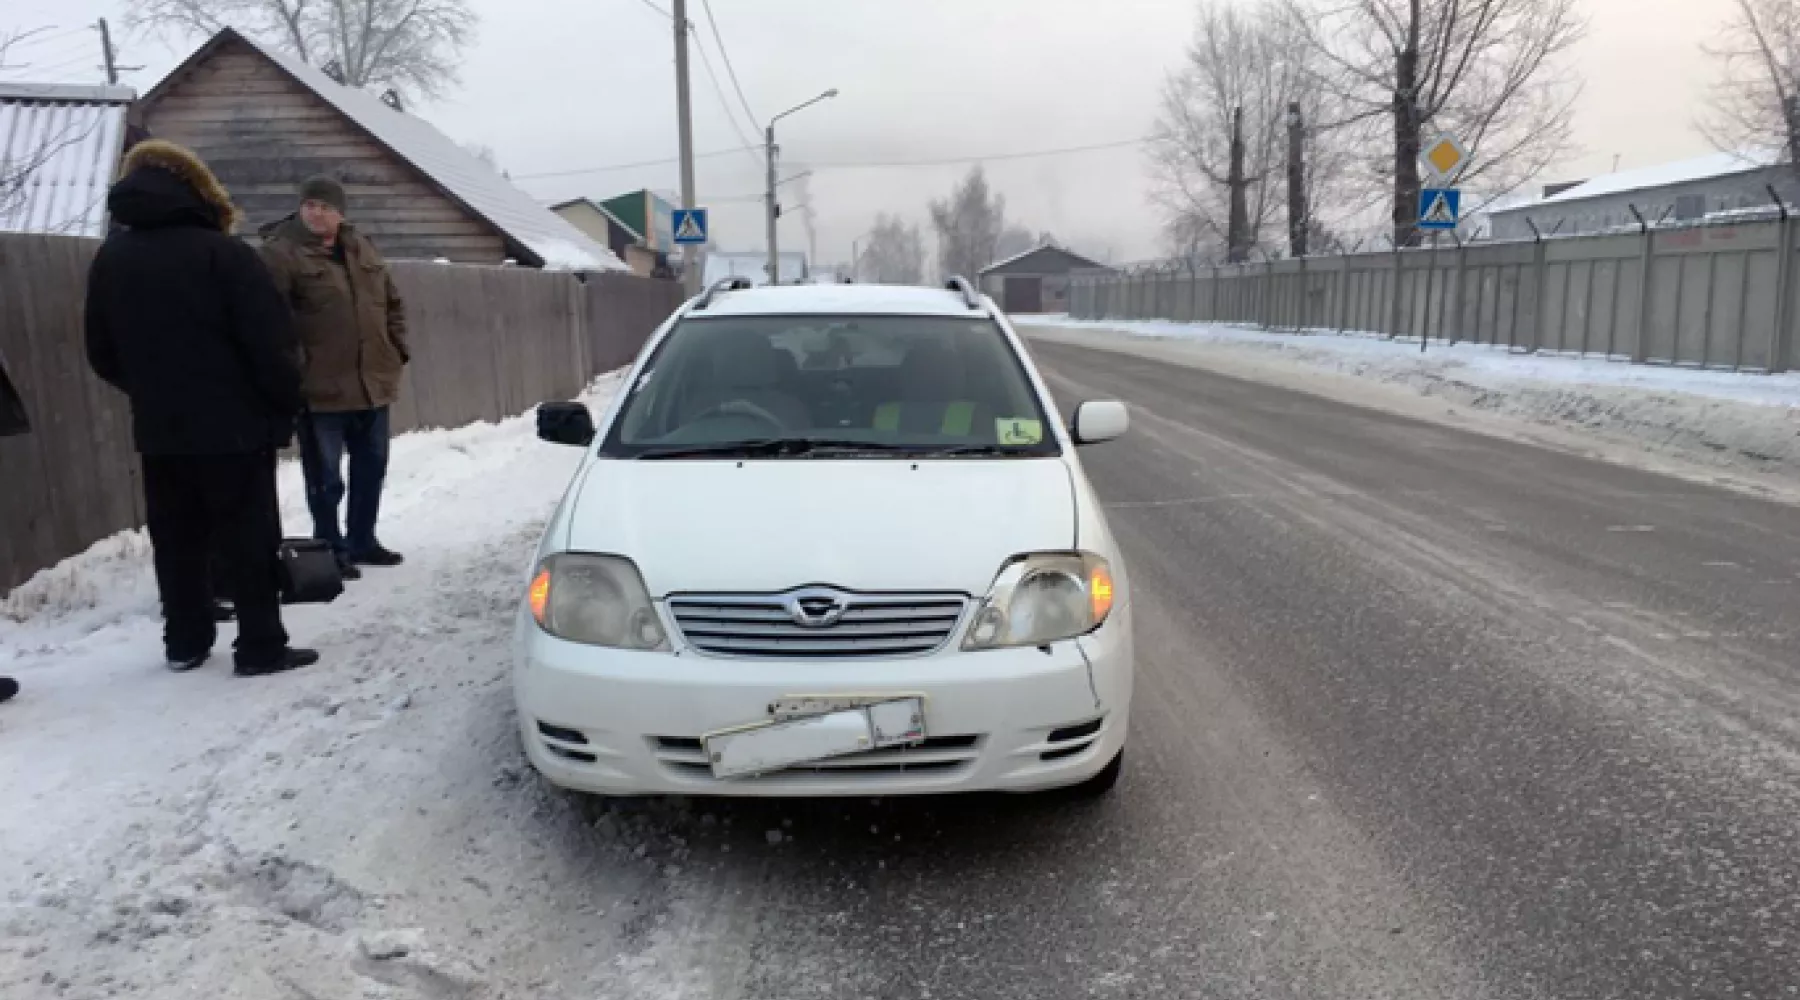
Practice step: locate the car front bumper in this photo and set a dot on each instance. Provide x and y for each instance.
(612, 722)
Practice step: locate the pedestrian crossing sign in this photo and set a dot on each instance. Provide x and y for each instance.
(1439, 208)
(690, 226)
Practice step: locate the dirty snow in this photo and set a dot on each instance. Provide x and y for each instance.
(365, 828)
(1739, 429)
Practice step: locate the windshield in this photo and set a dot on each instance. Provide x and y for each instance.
(818, 386)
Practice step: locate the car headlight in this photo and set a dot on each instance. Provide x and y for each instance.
(1039, 599)
(598, 600)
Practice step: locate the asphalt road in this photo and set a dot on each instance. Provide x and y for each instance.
(1420, 714)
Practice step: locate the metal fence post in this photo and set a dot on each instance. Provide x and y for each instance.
(1393, 329)
(1781, 338)
(1540, 281)
(1456, 317)
(1646, 267)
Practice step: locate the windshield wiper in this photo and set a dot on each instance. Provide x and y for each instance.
(774, 448)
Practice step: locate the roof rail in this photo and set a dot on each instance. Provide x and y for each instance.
(961, 284)
(732, 284)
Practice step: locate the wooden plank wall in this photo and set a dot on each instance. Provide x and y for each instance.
(263, 134)
(488, 343)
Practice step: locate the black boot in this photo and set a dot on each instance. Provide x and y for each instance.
(290, 659)
(8, 688)
(378, 556)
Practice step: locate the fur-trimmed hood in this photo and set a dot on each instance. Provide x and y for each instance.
(163, 184)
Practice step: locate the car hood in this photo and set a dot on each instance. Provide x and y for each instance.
(764, 526)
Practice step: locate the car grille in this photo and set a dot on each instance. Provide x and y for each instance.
(837, 624)
(938, 754)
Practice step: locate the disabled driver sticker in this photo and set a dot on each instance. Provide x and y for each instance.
(1018, 430)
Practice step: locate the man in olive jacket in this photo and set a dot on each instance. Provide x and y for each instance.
(352, 329)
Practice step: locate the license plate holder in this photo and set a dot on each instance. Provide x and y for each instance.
(847, 725)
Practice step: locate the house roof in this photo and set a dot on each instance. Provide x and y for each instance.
(1700, 168)
(546, 239)
(65, 140)
(1014, 264)
(636, 237)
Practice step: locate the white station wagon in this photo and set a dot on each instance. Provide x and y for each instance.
(828, 540)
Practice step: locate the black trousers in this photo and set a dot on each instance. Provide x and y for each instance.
(216, 510)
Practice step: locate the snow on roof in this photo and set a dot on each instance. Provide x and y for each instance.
(1015, 258)
(1699, 168)
(555, 241)
(872, 300)
(65, 141)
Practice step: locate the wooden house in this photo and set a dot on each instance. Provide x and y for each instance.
(265, 121)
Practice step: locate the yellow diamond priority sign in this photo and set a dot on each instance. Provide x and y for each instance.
(1444, 156)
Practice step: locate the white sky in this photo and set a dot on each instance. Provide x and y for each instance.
(556, 85)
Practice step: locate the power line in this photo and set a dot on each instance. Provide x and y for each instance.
(724, 102)
(863, 165)
(993, 157)
(719, 40)
(659, 10)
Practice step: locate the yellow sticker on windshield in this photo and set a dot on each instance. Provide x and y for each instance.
(1018, 431)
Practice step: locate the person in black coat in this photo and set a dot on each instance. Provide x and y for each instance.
(185, 320)
(13, 420)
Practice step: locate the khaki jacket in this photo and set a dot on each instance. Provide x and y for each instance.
(350, 320)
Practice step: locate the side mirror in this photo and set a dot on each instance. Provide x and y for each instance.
(565, 423)
(1100, 420)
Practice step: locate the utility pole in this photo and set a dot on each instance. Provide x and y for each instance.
(112, 68)
(1297, 213)
(774, 208)
(1237, 244)
(690, 267)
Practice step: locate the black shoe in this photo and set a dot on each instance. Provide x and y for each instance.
(8, 688)
(290, 659)
(182, 663)
(378, 556)
(347, 570)
(224, 611)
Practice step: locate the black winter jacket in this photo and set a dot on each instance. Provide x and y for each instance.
(185, 319)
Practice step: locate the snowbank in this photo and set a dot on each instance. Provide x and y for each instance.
(1744, 424)
(326, 833)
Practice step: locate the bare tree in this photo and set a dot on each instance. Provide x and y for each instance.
(894, 255)
(1243, 67)
(1755, 104)
(1014, 239)
(968, 224)
(410, 46)
(1490, 71)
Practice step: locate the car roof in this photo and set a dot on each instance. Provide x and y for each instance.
(871, 300)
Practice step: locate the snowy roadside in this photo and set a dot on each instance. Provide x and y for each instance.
(1740, 430)
(364, 828)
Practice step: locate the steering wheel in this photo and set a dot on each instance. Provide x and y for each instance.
(741, 408)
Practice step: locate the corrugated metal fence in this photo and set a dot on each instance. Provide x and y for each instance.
(1716, 296)
(488, 342)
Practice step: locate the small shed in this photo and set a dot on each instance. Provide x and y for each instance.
(59, 147)
(264, 121)
(1684, 191)
(1036, 281)
(604, 226)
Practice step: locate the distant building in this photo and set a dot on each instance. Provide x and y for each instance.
(1036, 281)
(754, 267)
(59, 148)
(1685, 191)
(265, 121)
(606, 228)
(648, 214)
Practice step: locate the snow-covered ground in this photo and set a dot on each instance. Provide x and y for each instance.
(364, 828)
(1740, 429)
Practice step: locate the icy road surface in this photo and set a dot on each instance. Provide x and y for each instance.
(1422, 714)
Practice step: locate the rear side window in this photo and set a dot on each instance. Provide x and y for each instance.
(897, 382)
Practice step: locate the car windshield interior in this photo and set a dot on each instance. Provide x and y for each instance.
(821, 385)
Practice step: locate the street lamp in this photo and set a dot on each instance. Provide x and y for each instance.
(773, 210)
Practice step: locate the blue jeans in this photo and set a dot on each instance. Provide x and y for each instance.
(364, 434)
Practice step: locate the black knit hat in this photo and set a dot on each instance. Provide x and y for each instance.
(325, 189)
